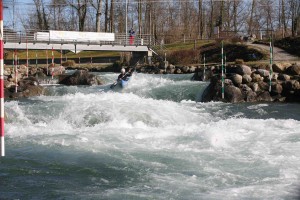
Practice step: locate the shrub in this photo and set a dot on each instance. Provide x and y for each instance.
(184, 57)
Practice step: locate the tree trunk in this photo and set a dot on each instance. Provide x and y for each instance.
(200, 19)
(106, 16)
(235, 16)
(251, 16)
(112, 22)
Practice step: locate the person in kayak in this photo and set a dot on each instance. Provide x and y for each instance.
(123, 75)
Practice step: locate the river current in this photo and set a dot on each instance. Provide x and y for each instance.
(151, 140)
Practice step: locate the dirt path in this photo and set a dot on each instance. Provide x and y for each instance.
(279, 54)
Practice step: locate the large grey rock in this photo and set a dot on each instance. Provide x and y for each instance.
(236, 79)
(246, 79)
(81, 77)
(243, 70)
(280, 67)
(264, 96)
(233, 94)
(294, 69)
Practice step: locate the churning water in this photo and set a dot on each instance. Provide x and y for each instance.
(151, 140)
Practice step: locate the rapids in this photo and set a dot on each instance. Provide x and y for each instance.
(151, 140)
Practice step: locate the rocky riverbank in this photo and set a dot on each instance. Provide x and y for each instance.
(244, 83)
(19, 85)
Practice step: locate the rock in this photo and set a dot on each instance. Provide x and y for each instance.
(294, 69)
(276, 88)
(255, 87)
(177, 71)
(55, 71)
(185, 69)
(284, 77)
(280, 67)
(243, 70)
(237, 79)
(233, 94)
(263, 72)
(291, 85)
(256, 77)
(249, 95)
(27, 87)
(263, 86)
(81, 77)
(264, 96)
(246, 79)
(192, 69)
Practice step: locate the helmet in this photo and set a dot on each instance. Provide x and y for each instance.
(122, 70)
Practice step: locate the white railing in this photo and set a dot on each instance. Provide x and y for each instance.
(30, 37)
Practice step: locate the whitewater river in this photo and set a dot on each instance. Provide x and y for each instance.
(152, 140)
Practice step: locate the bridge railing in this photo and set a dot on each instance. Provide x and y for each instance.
(30, 37)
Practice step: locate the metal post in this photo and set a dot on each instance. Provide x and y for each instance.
(2, 149)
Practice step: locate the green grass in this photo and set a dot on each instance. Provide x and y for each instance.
(41, 54)
(187, 45)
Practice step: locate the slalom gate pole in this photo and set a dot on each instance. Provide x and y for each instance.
(60, 56)
(52, 69)
(47, 61)
(60, 67)
(36, 60)
(204, 68)
(27, 65)
(271, 63)
(16, 72)
(225, 64)
(2, 149)
(223, 90)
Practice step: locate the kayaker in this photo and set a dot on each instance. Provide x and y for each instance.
(124, 75)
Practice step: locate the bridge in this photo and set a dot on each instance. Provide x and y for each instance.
(76, 41)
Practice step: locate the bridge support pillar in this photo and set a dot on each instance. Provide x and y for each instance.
(149, 56)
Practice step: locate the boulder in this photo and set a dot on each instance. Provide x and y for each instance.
(27, 87)
(185, 69)
(246, 79)
(233, 94)
(264, 96)
(294, 69)
(249, 95)
(280, 67)
(284, 77)
(192, 69)
(177, 71)
(243, 70)
(263, 86)
(276, 88)
(81, 77)
(236, 79)
(256, 77)
(263, 72)
(55, 71)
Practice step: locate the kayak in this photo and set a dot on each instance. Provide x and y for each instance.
(124, 83)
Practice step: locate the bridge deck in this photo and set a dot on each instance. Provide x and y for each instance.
(75, 47)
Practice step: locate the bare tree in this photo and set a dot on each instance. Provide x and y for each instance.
(81, 8)
(112, 23)
(42, 21)
(97, 4)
